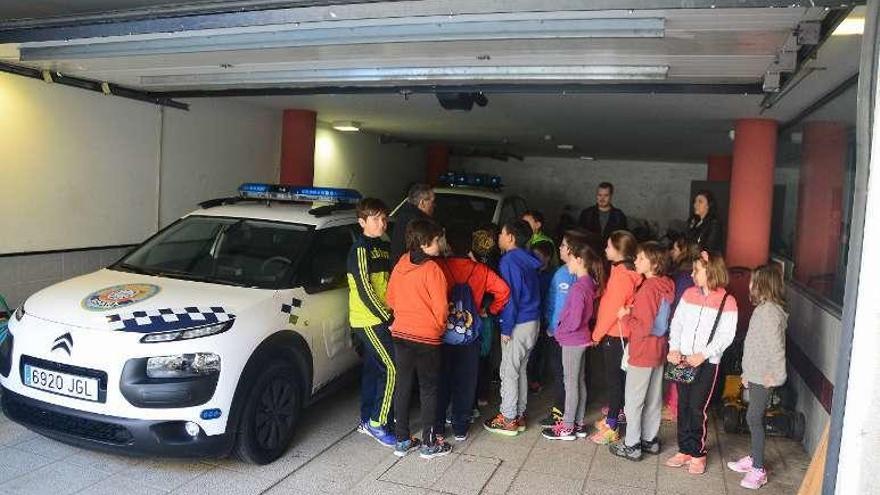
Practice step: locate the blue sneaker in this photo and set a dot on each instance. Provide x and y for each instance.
(406, 446)
(381, 435)
(439, 448)
(362, 427)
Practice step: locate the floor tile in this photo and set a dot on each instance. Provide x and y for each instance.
(601, 488)
(529, 483)
(118, 485)
(164, 474)
(568, 461)
(58, 478)
(15, 463)
(467, 475)
(412, 470)
(219, 481)
(500, 481)
(47, 448)
(614, 470)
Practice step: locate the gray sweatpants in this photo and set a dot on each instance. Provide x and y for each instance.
(514, 361)
(759, 397)
(574, 359)
(644, 404)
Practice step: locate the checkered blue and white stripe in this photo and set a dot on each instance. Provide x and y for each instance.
(167, 319)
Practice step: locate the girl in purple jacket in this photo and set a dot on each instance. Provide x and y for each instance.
(573, 334)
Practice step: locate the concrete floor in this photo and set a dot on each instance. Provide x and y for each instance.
(329, 456)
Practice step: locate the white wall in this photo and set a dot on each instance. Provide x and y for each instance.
(213, 148)
(656, 191)
(78, 169)
(357, 160)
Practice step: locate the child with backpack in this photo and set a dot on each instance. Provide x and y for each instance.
(763, 365)
(573, 335)
(519, 326)
(702, 327)
(469, 282)
(417, 294)
(647, 324)
(620, 251)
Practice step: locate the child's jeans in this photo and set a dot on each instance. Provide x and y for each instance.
(644, 404)
(514, 376)
(458, 385)
(422, 360)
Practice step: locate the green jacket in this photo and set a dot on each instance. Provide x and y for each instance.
(368, 271)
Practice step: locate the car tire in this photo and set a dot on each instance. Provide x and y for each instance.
(269, 415)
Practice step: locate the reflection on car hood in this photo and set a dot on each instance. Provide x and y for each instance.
(101, 300)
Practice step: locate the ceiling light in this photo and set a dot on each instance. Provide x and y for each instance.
(850, 26)
(566, 147)
(347, 126)
(419, 75)
(474, 27)
(585, 157)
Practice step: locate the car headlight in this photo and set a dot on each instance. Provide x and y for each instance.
(183, 365)
(186, 334)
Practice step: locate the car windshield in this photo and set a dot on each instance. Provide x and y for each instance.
(233, 251)
(462, 212)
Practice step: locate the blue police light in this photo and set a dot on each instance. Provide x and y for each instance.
(281, 192)
(472, 180)
(211, 414)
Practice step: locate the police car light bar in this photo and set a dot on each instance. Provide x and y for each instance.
(472, 180)
(281, 192)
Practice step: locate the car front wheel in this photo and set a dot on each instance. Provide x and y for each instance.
(269, 416)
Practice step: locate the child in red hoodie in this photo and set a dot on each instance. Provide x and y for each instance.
(458, 378)
(647, 324)
(417, 295)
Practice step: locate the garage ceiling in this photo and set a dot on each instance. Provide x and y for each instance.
(533, 59)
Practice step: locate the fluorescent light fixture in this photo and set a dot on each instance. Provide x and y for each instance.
(347, 126)
(850, 26)
(473, 27)
(585, 157)
(417, 75)
(566, 147)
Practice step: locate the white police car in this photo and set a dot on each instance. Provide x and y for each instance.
(206, 339)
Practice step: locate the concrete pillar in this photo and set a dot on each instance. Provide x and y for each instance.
(820, 203)
(751, 192)
(298, 147)
(718, 167)
(437, 162)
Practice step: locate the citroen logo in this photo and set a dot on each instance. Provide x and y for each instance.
(64, 342)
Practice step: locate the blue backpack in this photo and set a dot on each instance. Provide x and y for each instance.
(463, 323)
(661, 321)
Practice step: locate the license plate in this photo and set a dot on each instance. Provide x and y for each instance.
(80, 387)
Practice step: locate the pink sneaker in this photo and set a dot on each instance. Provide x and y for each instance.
(754, 479)
(743, 465)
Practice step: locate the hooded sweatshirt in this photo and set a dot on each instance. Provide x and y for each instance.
(763, 359)
(417, 294)
(646, 350)
(619, 292)
(520, 270)
(480, 278)
(574, 323)
(555, 297)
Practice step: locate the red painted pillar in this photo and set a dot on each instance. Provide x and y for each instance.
(719, 167)
(817, 238)
(298, 147)
(751, 192)
(437, 162)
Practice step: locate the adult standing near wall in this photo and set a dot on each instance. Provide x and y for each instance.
(419, 204)
(704, 228)
(603, 218)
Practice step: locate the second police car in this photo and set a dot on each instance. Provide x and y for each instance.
(206, 339)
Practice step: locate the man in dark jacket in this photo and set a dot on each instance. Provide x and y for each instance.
(603, 218)
(419, 204)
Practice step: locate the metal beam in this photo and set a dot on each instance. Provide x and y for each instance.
(652, 88)
(820, 102)
(268, 12)
(789, 81)
(92, 85)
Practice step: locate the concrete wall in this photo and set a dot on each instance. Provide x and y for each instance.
(655, 191)
(358, 161)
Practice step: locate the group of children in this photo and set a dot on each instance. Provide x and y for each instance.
(657, 310)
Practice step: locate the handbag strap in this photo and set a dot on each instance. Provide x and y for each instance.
(717, 318)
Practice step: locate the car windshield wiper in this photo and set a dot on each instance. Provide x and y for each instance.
(200, 278)
(133, 269)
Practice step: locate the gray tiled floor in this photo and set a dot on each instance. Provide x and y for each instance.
(328, 456)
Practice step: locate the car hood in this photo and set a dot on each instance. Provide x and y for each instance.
(115, 300)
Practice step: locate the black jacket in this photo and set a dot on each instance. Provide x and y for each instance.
(407, 213)
(708, 234)
(589, 220)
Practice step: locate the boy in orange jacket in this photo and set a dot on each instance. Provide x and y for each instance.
(417, 295)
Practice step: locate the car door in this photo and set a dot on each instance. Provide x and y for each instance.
(324, 312)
